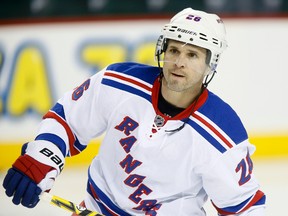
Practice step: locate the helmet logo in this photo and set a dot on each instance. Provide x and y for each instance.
(186, 31)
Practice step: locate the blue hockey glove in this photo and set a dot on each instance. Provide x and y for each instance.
(22, 187)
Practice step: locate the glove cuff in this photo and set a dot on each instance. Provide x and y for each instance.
(47, 153)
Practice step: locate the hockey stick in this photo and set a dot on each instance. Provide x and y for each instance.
(68, 205)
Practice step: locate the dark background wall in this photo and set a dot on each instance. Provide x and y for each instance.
(23, 9)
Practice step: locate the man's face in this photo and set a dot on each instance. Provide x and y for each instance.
(184, 66)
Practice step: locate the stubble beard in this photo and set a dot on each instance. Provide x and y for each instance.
(176, 84)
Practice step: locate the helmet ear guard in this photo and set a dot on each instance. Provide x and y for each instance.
(161, 45)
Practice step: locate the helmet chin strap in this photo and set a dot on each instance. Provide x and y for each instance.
(209, 78)
(159, 66)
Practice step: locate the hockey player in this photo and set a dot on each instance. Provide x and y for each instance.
(169, 142)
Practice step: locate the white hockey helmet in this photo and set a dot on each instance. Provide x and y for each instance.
(198, 28)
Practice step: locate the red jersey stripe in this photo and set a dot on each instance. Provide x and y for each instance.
(128, 80)
(71, 137)
(213, 129)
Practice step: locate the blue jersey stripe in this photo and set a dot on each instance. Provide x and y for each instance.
(78, 145)
(262, 201)
(224, 117)
(58, 141)
(237, 208)
(104, 199)
(207, 136)
(100, 205)
(127, 88)
(58, 108)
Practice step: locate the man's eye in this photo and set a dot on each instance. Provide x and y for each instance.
(192, 55)
(173, 51)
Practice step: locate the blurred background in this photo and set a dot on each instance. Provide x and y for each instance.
(50, 46)
(67, 8)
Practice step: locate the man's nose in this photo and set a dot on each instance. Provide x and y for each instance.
(180, 61)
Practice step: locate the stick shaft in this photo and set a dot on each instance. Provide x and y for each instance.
(68, 205)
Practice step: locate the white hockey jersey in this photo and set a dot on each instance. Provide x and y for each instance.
(144, 169)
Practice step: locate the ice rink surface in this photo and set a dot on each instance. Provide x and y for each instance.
(71, 184)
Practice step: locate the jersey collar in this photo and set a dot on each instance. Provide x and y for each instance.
(184, 114)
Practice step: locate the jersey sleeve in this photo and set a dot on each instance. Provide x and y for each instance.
(76, 118)
(230, 182)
